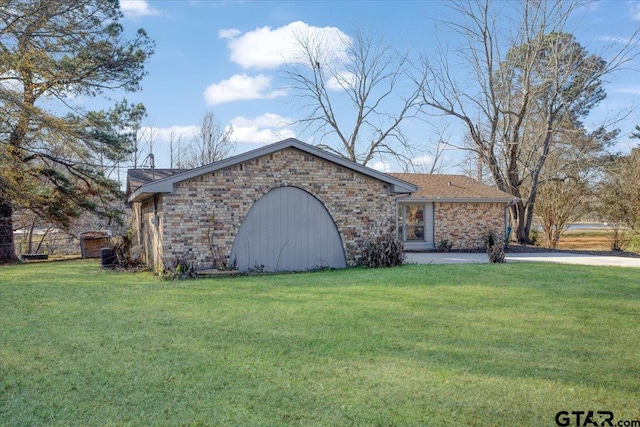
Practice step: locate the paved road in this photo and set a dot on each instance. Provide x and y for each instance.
(480, 258)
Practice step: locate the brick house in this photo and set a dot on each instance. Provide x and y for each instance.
(291, 206)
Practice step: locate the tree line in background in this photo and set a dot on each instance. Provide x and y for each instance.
(519, 83)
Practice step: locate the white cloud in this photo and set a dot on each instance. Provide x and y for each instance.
(230, 33)
(422, 160)
(613, 39)
(265, 120)
(263, 129)
(341, 81)
(630, 89)
(134, 9)
(267, 48)
(187, 133)
(382, 166)
(241, 87)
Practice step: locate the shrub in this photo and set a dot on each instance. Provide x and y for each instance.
(496, 254)
(385, 250)
(256, 269)
(490, 239)
(179, 269)
(620, 238)
(445, 245)
(128, 256)
(495, 249)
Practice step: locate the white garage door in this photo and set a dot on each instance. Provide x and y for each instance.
(288, 229)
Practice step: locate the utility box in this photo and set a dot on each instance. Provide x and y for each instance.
(108, 257)
(92, 242)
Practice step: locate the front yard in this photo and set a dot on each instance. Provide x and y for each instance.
(442, 345)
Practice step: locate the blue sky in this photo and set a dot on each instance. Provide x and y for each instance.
(225, 57)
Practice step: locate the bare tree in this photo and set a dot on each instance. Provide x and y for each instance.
(148, 138)
(369, 75)
(566, 181)
(138, 113)
(212, 143)
(522, 81)
(175, 150)
(472, 164)
(560, 203)
(432, 160)
(619, 196)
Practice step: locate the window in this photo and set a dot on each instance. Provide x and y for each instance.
(414, 222)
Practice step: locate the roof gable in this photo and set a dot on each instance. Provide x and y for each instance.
(165, 185)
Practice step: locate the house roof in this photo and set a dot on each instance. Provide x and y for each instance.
(452, 188)
(139, 177)
(165, 184)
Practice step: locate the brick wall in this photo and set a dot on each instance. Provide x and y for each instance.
(466, 224)
(200, 219)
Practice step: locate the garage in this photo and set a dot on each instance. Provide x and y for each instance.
(288, 229)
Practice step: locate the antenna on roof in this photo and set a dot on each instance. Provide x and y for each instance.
(153, 165)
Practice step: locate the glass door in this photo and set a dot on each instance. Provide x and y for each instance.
(414, 222)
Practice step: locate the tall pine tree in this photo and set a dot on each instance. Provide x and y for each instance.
(52, 153)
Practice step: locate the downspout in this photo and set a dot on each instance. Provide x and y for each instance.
(433, 223)
(395, 213)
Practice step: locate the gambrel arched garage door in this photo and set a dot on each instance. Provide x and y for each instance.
(288, 229)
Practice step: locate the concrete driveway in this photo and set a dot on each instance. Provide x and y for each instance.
(557, 257)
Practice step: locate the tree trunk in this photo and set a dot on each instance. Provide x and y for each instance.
(30, 238)
(527, 221)
(518, 218)
(7, 247)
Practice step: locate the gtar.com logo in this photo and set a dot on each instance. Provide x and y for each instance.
(584, 418)
(591, 418)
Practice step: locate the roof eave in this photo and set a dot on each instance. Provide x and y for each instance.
(404, 188)
(145, 191)
(459, 199)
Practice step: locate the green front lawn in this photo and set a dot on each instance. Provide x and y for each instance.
(455, 345)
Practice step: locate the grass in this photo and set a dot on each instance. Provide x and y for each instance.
(439, 345)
